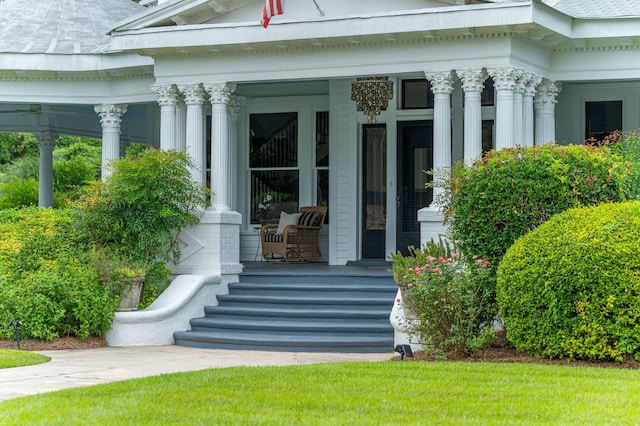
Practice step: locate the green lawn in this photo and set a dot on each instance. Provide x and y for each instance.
(10, 358)
(382, 393)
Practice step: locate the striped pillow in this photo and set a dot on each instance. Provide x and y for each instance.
(309, 219)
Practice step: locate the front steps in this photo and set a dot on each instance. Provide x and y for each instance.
(332, 312)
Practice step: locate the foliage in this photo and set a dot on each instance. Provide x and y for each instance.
(19, 193)
(16, 145)
(47, 281)
(360, 393)
(449, 303)
(507, 193)
(571, 288)
(627, 146)
(143, 204)
(417, 258)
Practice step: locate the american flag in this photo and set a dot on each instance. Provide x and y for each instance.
(271, 9)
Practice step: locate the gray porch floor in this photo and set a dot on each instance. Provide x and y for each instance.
(361, 268)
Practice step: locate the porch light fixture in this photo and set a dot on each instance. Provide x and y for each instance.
(372, 95)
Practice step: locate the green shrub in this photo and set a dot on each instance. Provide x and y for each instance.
(449, 301)
(627, 146)
(499, 198)
(18, 193)
(449, 304)
(47, 280)
(571, 288)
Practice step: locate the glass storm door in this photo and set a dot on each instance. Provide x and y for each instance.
(415, 155)
(374, 191)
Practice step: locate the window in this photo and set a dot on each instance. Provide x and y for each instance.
(487, 98)
(273, 162)
(284, 167)
(416, 94)
(602, 118)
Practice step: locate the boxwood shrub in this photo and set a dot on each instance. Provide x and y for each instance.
(571, 288)
(497, 199)
(47, 281)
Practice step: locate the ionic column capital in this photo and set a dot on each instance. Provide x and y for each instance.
(110, 115)
(220, 92)
(441, 82)
(167, 94)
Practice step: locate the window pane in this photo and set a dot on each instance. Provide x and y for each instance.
(322, 139)
(602, 118)
(416, 94)
(322, 194)
(487, 136)
(281, 185)
(488, 93)
(274, 140)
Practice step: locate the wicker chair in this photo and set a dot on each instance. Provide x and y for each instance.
(296, 243)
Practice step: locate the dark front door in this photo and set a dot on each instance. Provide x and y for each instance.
(374, 191)
(415, 156)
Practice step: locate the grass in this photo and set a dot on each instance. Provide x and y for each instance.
(383, 393)
(10, 358)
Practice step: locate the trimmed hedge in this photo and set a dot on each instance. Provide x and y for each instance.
(571, 288)
(499, 198)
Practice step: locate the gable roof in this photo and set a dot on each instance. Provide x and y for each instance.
(60, 26)
(594, 9)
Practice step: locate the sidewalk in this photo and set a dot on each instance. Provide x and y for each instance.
(86, 367)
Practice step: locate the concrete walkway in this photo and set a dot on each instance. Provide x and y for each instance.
(86, 367)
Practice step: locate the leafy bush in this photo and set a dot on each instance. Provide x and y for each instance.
(47, 281)
(18, 193)
(448, 300)
(492, 202)
(449, 304)
(571, 288)
(627, 146)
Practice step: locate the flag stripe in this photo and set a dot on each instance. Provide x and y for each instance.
(271, 9)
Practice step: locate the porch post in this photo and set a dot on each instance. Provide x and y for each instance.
(504, 83)
(235, 104)
(545, 104)
(518, 109)
(194, 133)
(181, 123)
(167, 98)
(472, 85)
(220, 173)
(442, 87)
(529, 92)
(110, 119)
(46, 142)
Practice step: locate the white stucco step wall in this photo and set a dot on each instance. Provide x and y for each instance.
(183, 300)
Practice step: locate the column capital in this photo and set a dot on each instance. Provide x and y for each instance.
(167, 94)
(532, 82)
(235, 104)
(220, 92)
(547, 93)
(46, 140)
(110, 115)
(472, 80)
(193, 94)
(441, 82)
(504, 78)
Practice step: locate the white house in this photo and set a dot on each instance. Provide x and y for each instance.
(271, 110)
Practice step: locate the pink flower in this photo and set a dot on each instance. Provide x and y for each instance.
(431, 258)
(441, 259)
(409, 285)
(435, 269)
(457, 271)
(455, 255)
(475, 256)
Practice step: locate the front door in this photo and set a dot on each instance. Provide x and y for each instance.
(415, 156)
(374, 191)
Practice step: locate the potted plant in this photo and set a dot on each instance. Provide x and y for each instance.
(123, 274)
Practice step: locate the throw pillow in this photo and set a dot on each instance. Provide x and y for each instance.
(287, 219)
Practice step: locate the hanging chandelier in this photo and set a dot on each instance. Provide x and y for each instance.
(372, 95)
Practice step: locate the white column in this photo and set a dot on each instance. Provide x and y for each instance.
(518, 109)
(194, 135)
(220, 94)
(110, 119)
(181, 123)
(235, 104)
(472, 85)
(527, 100)
(545, 106)
(504, 83)
(167, 98)
(442, 87)
(46, 142)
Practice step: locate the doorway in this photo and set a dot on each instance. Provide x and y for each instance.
(415, 156)
(374, 191)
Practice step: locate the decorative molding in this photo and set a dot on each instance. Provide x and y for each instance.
(193, 94)
(167, 94)
(441, 82)
(504, 78)
(110, 115)
(472, 80)
(220, 92)
(547, 94)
